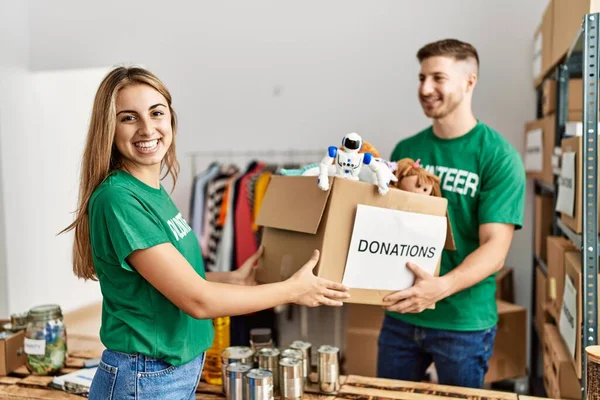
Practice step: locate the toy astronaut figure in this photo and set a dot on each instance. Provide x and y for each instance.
(348, 162)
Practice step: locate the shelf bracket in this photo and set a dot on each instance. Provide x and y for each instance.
(589, 243)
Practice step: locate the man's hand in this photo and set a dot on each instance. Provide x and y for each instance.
(425, 292)
(245, 275)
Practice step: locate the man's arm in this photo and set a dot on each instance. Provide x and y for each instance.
(245, 275)
(494, 239)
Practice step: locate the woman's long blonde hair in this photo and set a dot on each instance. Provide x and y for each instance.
(101, 156)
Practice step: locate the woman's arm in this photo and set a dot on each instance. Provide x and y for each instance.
(171, 274)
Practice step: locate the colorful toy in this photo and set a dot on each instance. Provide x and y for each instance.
(412, 177)
(348, 162)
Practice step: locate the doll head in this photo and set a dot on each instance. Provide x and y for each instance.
(414, 178)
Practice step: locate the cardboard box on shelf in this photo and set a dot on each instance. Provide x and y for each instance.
(569, 200)
(567, 17)
(544, 216)
(560, 380)
(509, 357)
(558, 246)
(574, 102)
(505, 287)
(12, 354)
(570, 319)
(539, 147)
(541, 302)
(542, 46)
(298, 217)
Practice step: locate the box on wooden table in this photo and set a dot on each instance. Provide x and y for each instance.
(12, 354)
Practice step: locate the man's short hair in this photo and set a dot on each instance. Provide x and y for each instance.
(449, 48)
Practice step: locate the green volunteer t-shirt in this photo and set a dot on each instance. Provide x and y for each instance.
(483, 178)
(125, 215)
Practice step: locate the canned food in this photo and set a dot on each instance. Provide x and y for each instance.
(235, 380)
(259, 384)
(268, 358)
(305, 348)
(292, 353)
(328, 369)
(239, 354)
(291, 378)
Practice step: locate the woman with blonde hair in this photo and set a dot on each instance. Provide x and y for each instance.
(158, 301)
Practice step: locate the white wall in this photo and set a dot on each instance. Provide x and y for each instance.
(61, 102)
(267, 74)
(14, 61)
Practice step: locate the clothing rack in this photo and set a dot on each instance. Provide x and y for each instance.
(280, 156)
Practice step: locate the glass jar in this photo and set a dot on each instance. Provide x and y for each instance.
(45, 340)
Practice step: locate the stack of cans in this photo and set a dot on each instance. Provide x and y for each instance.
(269, 372)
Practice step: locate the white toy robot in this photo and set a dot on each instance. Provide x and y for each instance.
(348, 164)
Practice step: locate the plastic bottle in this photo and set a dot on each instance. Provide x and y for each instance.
(212, 372)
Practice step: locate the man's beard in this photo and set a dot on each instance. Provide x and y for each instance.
(449, 104)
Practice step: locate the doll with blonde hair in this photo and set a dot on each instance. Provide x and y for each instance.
(412, 177)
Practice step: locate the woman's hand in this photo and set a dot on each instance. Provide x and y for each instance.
(312, 291)
(245, 275)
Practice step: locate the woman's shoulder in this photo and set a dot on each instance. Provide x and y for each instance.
(112, 190)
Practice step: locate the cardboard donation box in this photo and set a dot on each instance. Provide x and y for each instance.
(364, 238)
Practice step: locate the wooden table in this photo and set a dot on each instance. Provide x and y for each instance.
(21, 385)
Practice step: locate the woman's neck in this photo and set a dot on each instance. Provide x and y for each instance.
(149, 174)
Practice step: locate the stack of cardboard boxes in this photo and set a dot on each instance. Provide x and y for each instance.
(553, 38)
(508, 360)
(558, 294)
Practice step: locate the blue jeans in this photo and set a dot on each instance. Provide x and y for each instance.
(137, 377)
(406, 351)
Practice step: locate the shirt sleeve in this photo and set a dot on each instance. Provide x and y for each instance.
(502, 195)
(120, 224)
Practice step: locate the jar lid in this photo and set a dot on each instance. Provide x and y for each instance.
(47, 311)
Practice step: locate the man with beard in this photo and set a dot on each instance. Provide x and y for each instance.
(483, 178)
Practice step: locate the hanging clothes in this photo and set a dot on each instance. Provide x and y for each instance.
(224, 260)
(245, 240)
(214, 200)
(198, 197)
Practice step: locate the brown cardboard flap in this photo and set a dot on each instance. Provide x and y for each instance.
(293, 203)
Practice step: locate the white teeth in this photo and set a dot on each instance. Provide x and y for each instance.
(148, 145)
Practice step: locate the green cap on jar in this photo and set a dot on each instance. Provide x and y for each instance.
(45, 312)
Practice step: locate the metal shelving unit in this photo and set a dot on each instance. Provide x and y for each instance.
(582, 60)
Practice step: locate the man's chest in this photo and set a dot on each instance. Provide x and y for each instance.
(460, 178)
